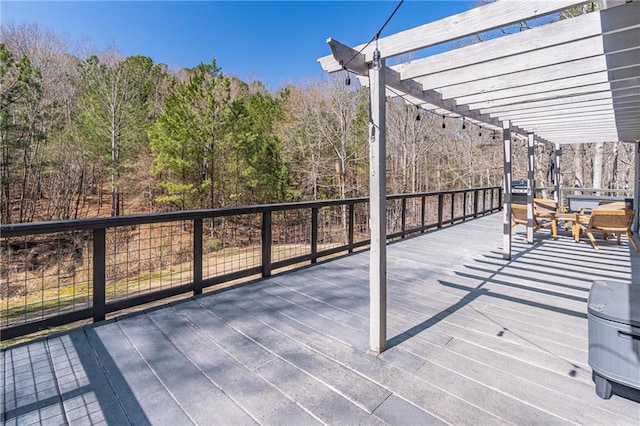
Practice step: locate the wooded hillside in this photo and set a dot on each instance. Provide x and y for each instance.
(98, 134)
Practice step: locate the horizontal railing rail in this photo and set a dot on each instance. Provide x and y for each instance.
(587, 191)
(55, 273)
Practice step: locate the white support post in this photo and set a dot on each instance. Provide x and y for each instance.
(556, 178)
(530, 186)
(506, 228)
(635, 226)
(378, 211)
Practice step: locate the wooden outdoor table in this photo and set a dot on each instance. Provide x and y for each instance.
(574, 218)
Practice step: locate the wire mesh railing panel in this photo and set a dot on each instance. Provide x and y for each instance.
(468, 198)
(447, 211)
(458, 206)
(361, 231)
(141, 259)
(413, 213)
(230, 244)
(394, 216)
(333, 227)
(44, 275)
(290, 234)
(431, 210)
(47, 270)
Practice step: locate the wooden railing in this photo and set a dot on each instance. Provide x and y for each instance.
(55, 273)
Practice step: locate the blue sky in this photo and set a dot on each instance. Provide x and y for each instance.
(276, 42)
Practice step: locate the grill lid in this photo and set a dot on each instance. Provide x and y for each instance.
(615, 301)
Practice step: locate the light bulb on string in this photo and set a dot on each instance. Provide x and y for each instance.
(418, 113)
(464, 126)
(444, 126)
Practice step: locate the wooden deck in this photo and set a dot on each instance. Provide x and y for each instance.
(473, 339)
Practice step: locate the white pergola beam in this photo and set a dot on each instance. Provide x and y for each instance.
(549, 104)
(573, 110)
(565, 94)
(478, 20)
(516, 63)
(559, 67)
(531, 41)
(413, 90)
(478, 92)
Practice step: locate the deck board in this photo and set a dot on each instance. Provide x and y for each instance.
(472, 339)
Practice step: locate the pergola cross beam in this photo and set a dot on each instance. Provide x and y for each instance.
(354, 61)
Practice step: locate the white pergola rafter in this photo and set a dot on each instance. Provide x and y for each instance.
(566, 64)
(569, 81)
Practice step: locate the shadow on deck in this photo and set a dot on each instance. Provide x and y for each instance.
(473, 339)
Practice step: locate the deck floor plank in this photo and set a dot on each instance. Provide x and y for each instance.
(472, 339)
(251, 392)
(453, 409)
(197, 396)
(86, 394)
(145, 399)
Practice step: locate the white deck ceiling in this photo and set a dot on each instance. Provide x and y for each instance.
(571, 81)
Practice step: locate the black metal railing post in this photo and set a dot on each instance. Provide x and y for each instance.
(423, 212)
(266, 243)
(314, 234)
(99, 272)
(351, 225)
(197, 256)
(464, 205)
(440, 209)
(453, 207)
(484, 202)
(404, 216)
(475, 203)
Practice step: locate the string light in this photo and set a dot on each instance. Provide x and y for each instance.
(375, 37)
(433, 114)
(347, 81)
(494, 135)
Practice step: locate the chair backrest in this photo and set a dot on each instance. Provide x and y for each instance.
(544, 206)
(519, 213)
(611, 220)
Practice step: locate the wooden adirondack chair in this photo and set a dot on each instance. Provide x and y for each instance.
(609, 221)
(519, 217)
(544, 207)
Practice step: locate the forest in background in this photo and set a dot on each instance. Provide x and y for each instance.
(97, 134)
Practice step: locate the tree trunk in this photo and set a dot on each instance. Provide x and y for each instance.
(598, 158)
(614, 184)
(578, 180)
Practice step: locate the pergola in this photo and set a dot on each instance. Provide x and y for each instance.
(575, 80)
